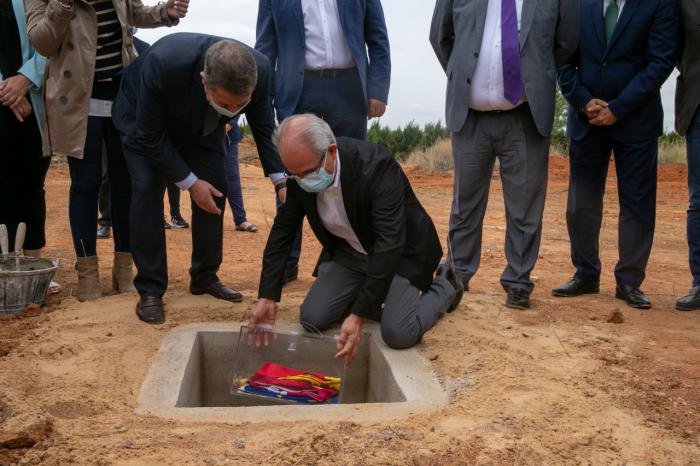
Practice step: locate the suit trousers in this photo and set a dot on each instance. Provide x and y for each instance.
(693, 141)
(406, 316)
(205, 157)
(523, 155)
(636, 166)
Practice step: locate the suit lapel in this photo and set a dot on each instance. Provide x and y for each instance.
(298, 13)
(480, 21)
(526, 19)
(625, 17)
(349, 188)
(598, 22)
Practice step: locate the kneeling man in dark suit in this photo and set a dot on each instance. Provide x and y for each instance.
(380, 247)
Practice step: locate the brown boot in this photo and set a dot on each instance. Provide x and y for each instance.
(122, 277)
(89, 288)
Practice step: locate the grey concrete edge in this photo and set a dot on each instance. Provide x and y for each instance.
(160, 390)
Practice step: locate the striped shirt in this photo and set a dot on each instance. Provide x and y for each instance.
(109, 40)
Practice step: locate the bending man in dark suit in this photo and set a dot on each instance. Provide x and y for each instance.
(500, 57)
(174, 102)
(331, 58)
(627, 51)
(379, 245)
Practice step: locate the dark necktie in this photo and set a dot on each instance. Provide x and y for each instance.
(611, 14)
(510, 50)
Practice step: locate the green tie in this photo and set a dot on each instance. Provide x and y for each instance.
(611, 15)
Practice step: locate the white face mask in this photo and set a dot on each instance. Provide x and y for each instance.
(226, 112)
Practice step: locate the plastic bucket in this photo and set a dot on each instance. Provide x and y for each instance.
(24, 281)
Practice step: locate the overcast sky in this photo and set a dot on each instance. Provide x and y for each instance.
(418, 82)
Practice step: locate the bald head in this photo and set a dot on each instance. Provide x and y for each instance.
(303, 140)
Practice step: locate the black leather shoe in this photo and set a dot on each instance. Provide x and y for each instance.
(103, 232)
(577, 287)
(691, 302)
(150, 310)
(445, 270)
(634, 296)
(518, 299)
(290, 274)
(217, 290)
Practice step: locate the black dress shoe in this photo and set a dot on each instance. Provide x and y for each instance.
(103, 232)
(290, 274)
(518, 299)
(445, 270)
(577, 287)
(691, 302)
(634, 296)
(150, 310)
(217, 290)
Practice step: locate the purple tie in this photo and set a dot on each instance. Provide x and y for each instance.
(510, 50)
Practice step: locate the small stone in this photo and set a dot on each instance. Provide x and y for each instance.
(434, 357)
(460, 344)
(239, 442)
(424, 458)
(688, 433)
(526, 335)
(616, 318)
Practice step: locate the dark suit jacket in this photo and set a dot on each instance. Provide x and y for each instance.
(281, 37)
(385, 214)
(161, 103)
(688, 84)
(627, 73)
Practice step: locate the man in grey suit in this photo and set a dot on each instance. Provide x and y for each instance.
(501, 57)
(688, 124)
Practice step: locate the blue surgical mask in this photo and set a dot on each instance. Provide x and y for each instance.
(316, 182)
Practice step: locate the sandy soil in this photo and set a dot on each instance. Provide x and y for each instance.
(559, 384)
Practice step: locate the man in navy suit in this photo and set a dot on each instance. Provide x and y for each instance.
(331, 59)
(171, 110)
(627, 50)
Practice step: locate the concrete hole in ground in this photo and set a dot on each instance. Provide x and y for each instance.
(192, 378)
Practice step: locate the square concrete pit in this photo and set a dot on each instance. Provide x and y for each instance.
(191, 380)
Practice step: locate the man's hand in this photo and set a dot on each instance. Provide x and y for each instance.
(13, 89)
(282, 195)
(375, 108)
(203, 194)
(22, 109)
(594, 107)
(350, 334)
(177, 8)
(604, 118)
(263, 317)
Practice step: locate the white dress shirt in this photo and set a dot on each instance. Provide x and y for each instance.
(331, 209)
(620, 4)
(487, 82)
(326, 46)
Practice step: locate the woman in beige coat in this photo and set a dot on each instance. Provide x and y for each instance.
(88, 43)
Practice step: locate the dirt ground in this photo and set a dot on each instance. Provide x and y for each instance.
(559, 384)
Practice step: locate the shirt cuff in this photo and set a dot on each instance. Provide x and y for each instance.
(275, 177)
(187, 182)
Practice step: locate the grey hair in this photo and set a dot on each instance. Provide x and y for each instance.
(230, 66)
(315, 133)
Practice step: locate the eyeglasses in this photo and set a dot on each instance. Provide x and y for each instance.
(314, 171)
